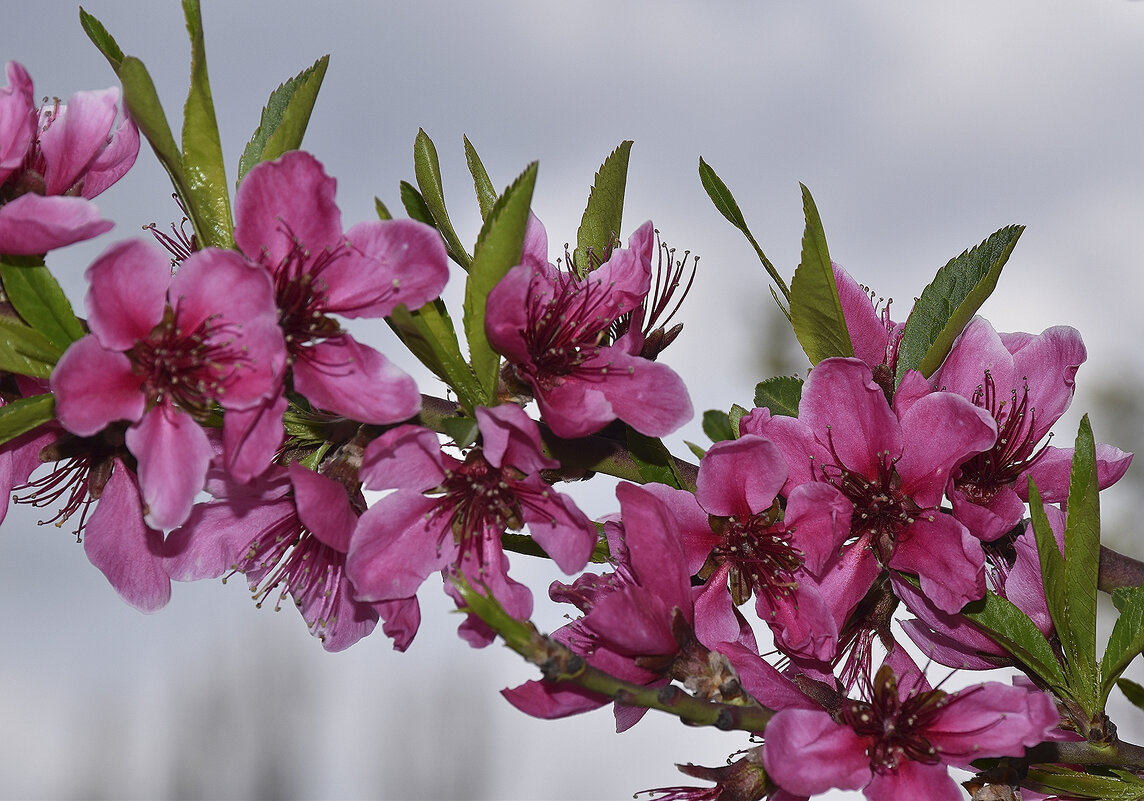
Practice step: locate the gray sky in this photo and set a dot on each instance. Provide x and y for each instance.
(919, 128)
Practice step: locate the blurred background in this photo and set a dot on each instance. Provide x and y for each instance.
(920, 128)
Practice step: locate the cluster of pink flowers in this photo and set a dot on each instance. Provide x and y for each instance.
(220, 419)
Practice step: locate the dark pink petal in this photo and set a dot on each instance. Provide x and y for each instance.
(127, 551)
(913, 387)
(868, 333)
(173, 454)
(19, 458)
(323, 507)
(394, 548)
(94, 387)
(252, 436)
(558, 526)
(506, 315)
(715, 619)
(992, 720)
(574, 408)
(946, 649)
(1047, 364)
(913, 780)
(400, 620)
(343, 376)
(288, 200)
(214, 283)
(1054, 469)
(625, 278)
(534, 251)
(127, 293)
(803, 452)
(76, 137)
(1024, 585)
(820, 517)
(348, 620)
(808, 753)
(114, 161)
(648, 396)
(947, 558)
(940, 431)
(803, 623)
(740, 477)
(17, 119)
(654, 548)
(947, 638)
(978, 348)
(990, 521)
(490, 574)
(33, 224)
(862, 428)
(405, 457)
(847, 580)
(509, 437)
(765, 684)
(694, 524)
(395, 261)
(635, 622)
(552, 701)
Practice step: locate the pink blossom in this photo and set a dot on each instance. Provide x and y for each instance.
(162, 352)
(553, 328)
(286, 220)
(449, 515)
(53, 160)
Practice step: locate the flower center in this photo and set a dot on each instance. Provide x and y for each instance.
(880, 508)
(301, 294)
(479, 504)
(896, 727)
(761, 556)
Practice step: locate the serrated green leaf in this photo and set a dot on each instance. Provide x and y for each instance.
(486, 192)
(780, 394)
(382, 210)
(717, 425)
(203, 166)
(427, 168)
(815, 309)
(653, 460)
(1012, 629)
(101, 39)
(498, 250)
(600, 225)
(1132, 691)
(415, 205)
(1052, 562)
(1124, 643)
(429, 334)
(284, 118)
(951, 300)
(725, 203)
(25, 351)
(23, 414)
(37, 297)
(1082, 567)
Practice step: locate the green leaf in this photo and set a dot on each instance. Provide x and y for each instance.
(37, 296)
(202, 159)
(697, 451)
(1012, 629)
(1052, 563)
(415, 205)
(600, 225)
(284, 118)
(1082, 566)
(815, 309)
(780, 394)
(1132, 691)
(25, 351)
(428, 171)
(498, 250)
(951, 300)
(1059, 781)
(725, 203)
(462, 430)
(24, 414)
(737, 414)
(653, 460)
(101, 39)
(142, 102)
(1124, 643)
(486, 192)
(429, 334)
(382, 211)
(717, 425)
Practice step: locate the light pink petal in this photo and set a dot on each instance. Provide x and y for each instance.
(991, 720)
(394, 262)
(114, 161)
(127, 551)
(940, 431)
(804, 454)
(820, 517)
(808, 753)
(913, 387)
(17, 119)
(288, 200)
(33, 224)
(740, 477)
(94, 387)
(216, 283)
(1053, 471)
(867, 331)
(912, 780)
(128, 293)
(400, 620)
(173, 454)
(574, 408)
(652, 537)
(343, 376)
(558, 526)
(395, 548)
(1047, 364)
(405, 457)
(509, 437)
(535, 247)
(76, 137)
(648, 396)
(506, 311)
(946, 558)
(976, 350)
(252, 436)
(323, 507)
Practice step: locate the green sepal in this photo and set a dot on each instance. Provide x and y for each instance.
(815, 308)
(1012, 629)
(780, 394)
(482, 184)
(429, 334)
(382, 210)
(717, 425)
(736, 414)
(1132, 691)
(725, 203)
(284, 118)
(415, 205)
(22, 415)
(498, 250)
(103, 40)
(427, 168)
(37, 297)
(203, 165)
(600, 225)
(951, 300)
(25, 351)
(696, 450)
(462, 430)
(653, 460)
(1125, 642)
(1059, 781)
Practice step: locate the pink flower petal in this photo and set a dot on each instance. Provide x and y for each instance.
(252, 436)
(17, 120)
(393, 551)
(173, 454)
(94, 387)
(946, 558)
(114, 161)
(345, 377)
(127, 293)
(395, 261)
(323, 507)
(740, 477)
(808, 753)
(940, 431)
(511, 437)
(33, 224)
(405, 457)
(76, 136)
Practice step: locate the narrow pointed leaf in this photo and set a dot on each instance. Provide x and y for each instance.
(653, 460)
(25, 351)
(415, 205)
(600, 226)
(1125, 642)
(717, 425)
(101, 39)
(815, 309)
(428, 171)
(1012, 629)
(1132, 691)
(1082, 565)
(203, 165)
(1061, 782)
(24, 414)
(780, 394)
(284, 118)
(429, 334)
(37, 296)
(486, 192)
(951, 300)
(498, 250)
(142, 102)
(725, 203)
(697, 451)
(1052, 563)
(382, 210)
